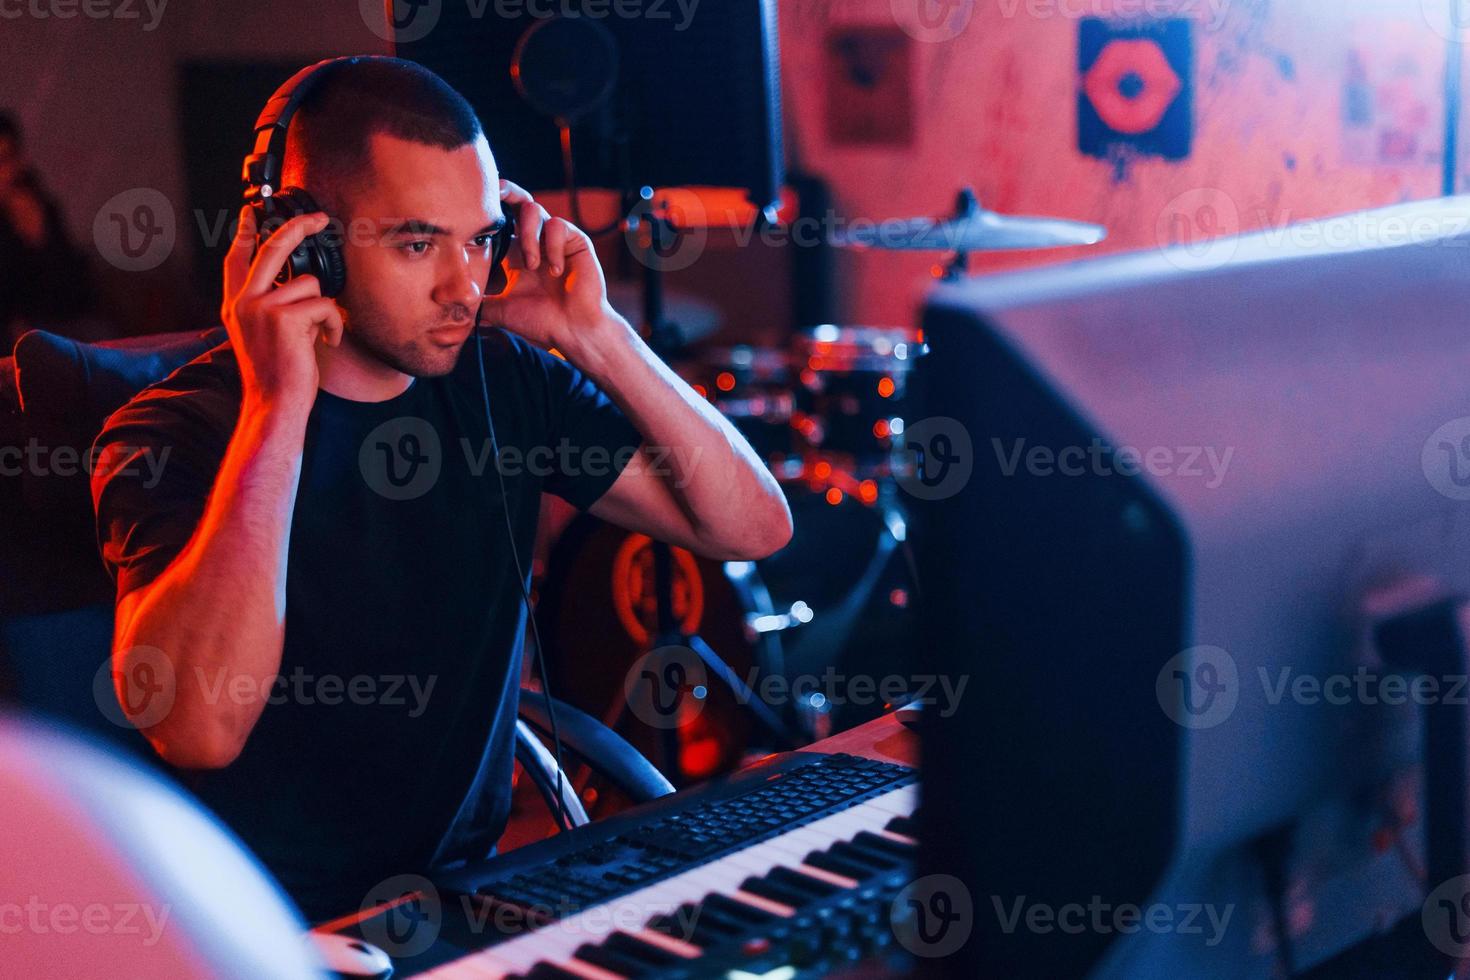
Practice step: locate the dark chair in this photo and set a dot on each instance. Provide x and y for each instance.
(56, 611)
(612, 757)
(56, 606)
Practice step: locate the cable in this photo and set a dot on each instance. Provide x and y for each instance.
(569, 174)
(562, 816)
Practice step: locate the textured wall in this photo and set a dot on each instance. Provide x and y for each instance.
(995, 106)
(97, 96)
(988, 98)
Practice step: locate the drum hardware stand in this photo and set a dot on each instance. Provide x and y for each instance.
(966, 207)
(664, 336)
(665, 340)
(893, 541)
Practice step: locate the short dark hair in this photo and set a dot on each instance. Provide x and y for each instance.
(355, 98)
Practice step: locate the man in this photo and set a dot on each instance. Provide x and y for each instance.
(316, 587)
(44, 279)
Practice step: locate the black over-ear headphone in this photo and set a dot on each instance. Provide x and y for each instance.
(319, 255)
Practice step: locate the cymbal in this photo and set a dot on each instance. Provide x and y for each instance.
(980, 232)
(970, 229)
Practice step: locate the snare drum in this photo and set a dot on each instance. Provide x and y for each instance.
(753, 387)
(851, 397)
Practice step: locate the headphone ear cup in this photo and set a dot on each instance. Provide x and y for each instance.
(332, 265)
(498, 280)
(319, 255)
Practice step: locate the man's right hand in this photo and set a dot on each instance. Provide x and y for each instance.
(274, 330)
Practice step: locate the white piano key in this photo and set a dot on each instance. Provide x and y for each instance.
(830, 877)
(764, 904)
(587, 970)
(676, 946)
(799, 843)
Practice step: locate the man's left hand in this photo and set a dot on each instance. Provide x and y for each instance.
(556, 295)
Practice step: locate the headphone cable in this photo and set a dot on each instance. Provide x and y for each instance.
(563, 817)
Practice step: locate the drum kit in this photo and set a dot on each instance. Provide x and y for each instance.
(827, 415)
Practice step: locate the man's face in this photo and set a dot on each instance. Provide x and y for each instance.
(418, 246)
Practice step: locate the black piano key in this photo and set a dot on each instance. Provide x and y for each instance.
(766, 888)
(904, 825)
(723, 920)
(713, 929)
(878, 860)
(612, 960)
(635, 948)
(795, 879)
(550, 971)
(679, 924)
(736, 909)
(878, 842)
(698, 930)
(666, 924)
(828, 861)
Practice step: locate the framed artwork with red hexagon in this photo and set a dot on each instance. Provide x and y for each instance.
(1135, 88)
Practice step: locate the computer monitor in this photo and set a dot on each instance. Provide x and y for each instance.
(1163, 500)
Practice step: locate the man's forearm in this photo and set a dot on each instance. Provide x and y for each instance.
(731, 500)
(218, 612)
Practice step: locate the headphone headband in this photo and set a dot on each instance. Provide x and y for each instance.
(262, 169)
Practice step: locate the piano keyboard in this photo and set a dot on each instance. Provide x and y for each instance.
(826, 880)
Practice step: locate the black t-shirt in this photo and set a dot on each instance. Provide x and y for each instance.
(387, 743)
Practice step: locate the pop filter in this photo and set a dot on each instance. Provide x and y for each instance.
(565, 67)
